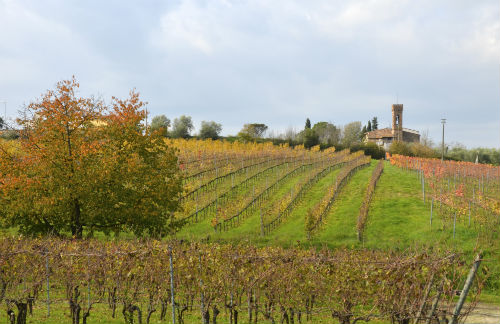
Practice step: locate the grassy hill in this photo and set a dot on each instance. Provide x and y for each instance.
(398, 217)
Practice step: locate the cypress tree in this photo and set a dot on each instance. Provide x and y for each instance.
(308, 124)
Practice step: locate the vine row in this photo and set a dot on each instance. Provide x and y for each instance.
(339, 161)
(365, 205)
(315, 216)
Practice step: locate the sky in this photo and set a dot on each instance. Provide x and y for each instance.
(276, 62)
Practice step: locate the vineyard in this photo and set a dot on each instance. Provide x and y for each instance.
(279, 195)
(279, 234)
(146, 282)
(461, 191)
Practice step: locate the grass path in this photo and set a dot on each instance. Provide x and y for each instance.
(339, 228)
(399, 218)
(249, 229)
(292, 230)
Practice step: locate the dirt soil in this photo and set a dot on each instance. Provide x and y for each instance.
(484, 314)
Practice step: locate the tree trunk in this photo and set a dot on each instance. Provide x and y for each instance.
(215, 313)
(150, 312)
(85, 316)
(249, 301)
(22, 311)
(139, 313)
(31, 300)
(256, 313)
(76, 309)
(284, 316)
(206, 317)
(128, 313)
(180, 313)
(112, 302)
(163, 311)
(77, 227)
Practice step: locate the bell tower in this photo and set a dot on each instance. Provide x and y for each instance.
(397, 122)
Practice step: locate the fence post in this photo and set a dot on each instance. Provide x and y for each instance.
(423, 188)
(48, 283)
(454, 223)
(88, 284)
(172, 282)
(465, 290)
(261, 223)
(432, 205)
(469, 213)
(202, 296)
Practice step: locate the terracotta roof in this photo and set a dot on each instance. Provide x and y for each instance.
(380, 133)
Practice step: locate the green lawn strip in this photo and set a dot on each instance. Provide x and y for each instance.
(398, 218)
(293, 228)
(201, 229)
(339, 227)
(250, 227)
(101, 314)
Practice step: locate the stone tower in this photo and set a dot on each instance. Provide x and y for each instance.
(397, 122)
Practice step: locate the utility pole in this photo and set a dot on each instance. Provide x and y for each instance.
(443, 121)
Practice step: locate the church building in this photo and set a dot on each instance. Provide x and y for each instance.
(385, 136)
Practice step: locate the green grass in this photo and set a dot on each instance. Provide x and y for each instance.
(339, 228)
(341, 219)
(102, 314)
(250, 227)
(398, 217)
(292, 230)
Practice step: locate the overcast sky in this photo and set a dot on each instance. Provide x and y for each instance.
(270, 61)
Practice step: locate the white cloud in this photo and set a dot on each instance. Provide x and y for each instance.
(277, 62)
(483, 40)
(188, 24)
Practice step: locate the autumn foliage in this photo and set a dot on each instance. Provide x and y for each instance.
(82, 166)
(465, 192)
(267, 284)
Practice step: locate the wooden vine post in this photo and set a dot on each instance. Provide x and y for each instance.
(261, 223)
(172, 283)
(48, 283)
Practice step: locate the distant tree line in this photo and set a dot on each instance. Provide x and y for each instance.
(183, 127)
(325, 134)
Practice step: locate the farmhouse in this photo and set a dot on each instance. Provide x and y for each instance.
(385, 136)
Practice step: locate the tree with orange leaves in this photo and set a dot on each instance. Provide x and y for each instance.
(83, 166)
